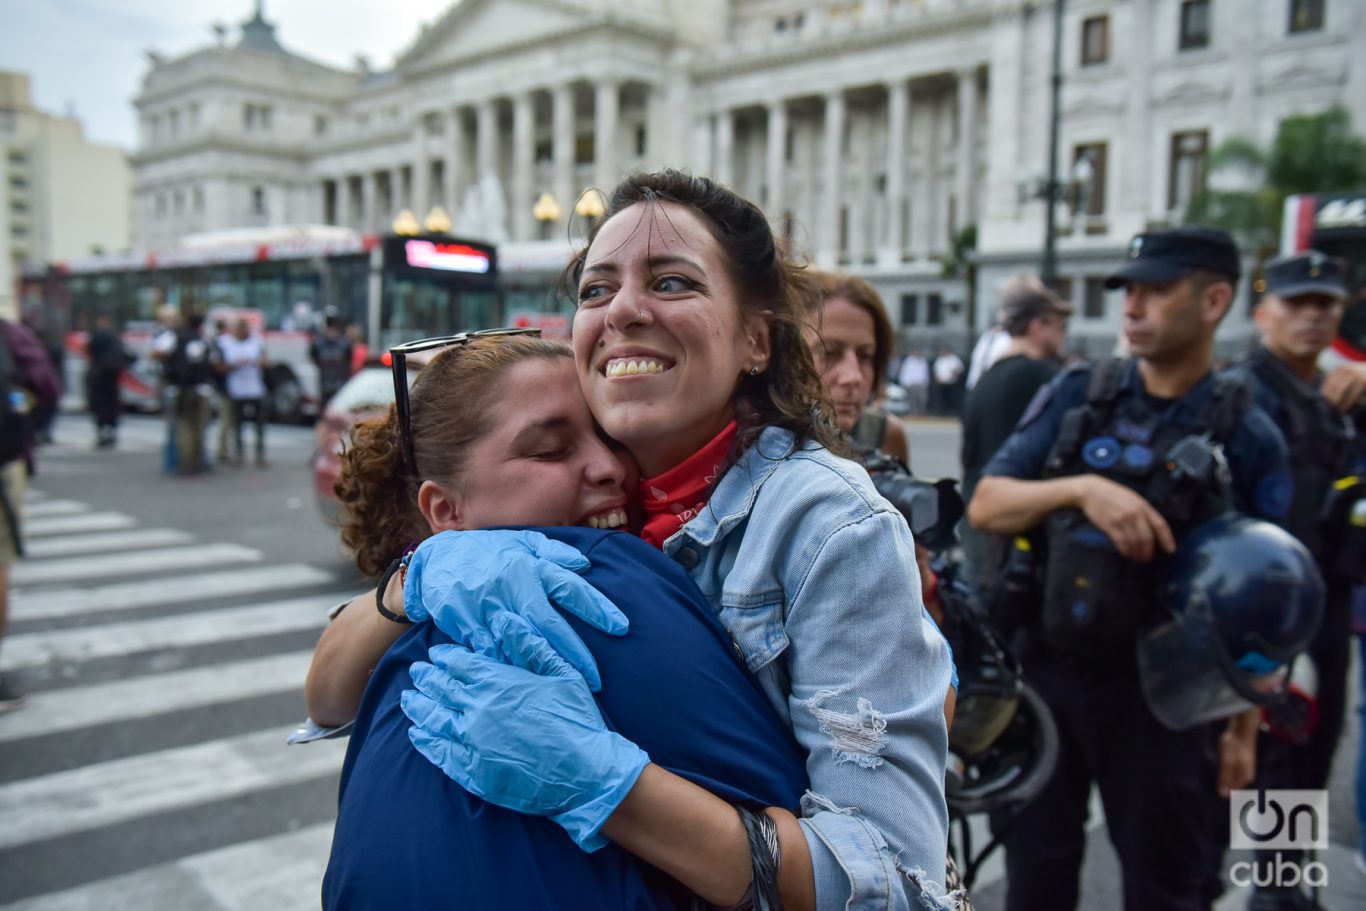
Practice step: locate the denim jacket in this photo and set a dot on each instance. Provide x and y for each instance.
(814, 575)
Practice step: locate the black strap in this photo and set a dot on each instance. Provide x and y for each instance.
(1078, 423)
(379, 593)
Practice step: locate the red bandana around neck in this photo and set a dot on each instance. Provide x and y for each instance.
(674, 497)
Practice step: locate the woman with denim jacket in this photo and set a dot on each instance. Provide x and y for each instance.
(689, 348)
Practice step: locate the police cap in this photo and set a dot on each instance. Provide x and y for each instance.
(1310, 272)
(1159, 257)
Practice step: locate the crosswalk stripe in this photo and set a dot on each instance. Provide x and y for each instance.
(132, 539)
(183, 631)
(280, 872)
(67, 602)
(61, 525)
(125, 789)
(57, 711)
(55, 508)
(130, 564)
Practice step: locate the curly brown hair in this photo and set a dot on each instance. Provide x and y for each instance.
(790, 393)
(451, 407)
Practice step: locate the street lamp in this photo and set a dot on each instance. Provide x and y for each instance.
(406, 224)
(546, 210)
(437, 221)
(590, 205)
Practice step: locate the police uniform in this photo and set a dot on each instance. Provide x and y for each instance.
(1325, 449)
(1155, 783)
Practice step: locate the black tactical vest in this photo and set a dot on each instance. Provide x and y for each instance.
(1093, 597)
(1320, 441)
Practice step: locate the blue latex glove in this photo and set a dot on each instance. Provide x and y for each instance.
(471, 582)
(531, 743)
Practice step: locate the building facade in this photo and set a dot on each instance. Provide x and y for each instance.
(875, 133)
(60, 196)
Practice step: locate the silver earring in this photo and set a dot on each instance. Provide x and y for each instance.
(754, 370)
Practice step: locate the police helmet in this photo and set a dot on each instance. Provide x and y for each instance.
(1013, 769)
(1240, 600)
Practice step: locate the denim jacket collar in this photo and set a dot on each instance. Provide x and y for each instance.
(734, 496)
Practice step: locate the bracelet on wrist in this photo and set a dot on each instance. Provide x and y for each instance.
(399, 566)
(765, 856)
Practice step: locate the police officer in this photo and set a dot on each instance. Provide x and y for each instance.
(1298, 318)
(1115, 462)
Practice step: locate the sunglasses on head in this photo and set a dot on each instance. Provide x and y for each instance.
(398, 356)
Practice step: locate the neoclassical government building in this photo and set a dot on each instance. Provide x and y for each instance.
(874, 133)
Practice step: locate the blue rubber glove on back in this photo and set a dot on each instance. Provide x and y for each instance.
(527, 742)
(472, 582)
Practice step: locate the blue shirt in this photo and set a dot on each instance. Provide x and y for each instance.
(409, 837)
(813, 573)
(1257, 457)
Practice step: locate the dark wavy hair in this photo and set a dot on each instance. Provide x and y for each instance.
(790, 393)
(451, 406)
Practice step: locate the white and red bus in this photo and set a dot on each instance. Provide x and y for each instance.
(1334, 223)
(284, 280)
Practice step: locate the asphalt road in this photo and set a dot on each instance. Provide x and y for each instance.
(163, 627)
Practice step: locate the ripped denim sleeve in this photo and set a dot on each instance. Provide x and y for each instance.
(869, 673)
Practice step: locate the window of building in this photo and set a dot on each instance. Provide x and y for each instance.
(161, 203)
(640, 140)
(265, 118)
(798, 21)
(1305, 16)
(1063, 287)
(1093, 302)
(17, 183)
(1194, 24)
(1186, 170)
(173, 122)
(18, 206)
(18, 230)
(910, 309)
(199, 199)
(583, 149)
(258, 200)
(319, 125)
(18, 157)
(193, 115)
(934, 309)
(178, 202)
(1095, 40)
(780, 25)
(1088, 179)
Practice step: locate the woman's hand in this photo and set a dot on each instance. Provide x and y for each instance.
(531, 743)
(471, 582)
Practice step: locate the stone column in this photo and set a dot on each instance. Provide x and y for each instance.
(346, 210)
(898, 95)
(923, 137)
(368, 193)
(422, 171)
(827, 248)
(397, 201)
(776, 170)
(456, 166)
(523, 153)
(703, 141)
(967, 149)
(725, 147)
(487, 140)
(562, 102)
(606, 111)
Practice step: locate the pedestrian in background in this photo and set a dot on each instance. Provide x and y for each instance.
(107, 359)
(27, 380)
(163, 346)
(190, 370)
(331, 351)
(1035, 321)
(360, 352)
(914, 377)
(948, 371)
(227, 419)
(244, 357)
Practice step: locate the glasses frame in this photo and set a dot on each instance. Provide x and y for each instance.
(398, 362)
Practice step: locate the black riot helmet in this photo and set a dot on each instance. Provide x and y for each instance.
(1240, 600)
(1013, 769)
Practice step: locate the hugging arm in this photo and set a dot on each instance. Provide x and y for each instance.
(347, 653)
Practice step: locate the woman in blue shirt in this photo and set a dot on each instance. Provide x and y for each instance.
(407, 836)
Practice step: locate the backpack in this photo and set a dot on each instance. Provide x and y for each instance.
(16, 423)
(191, 363)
